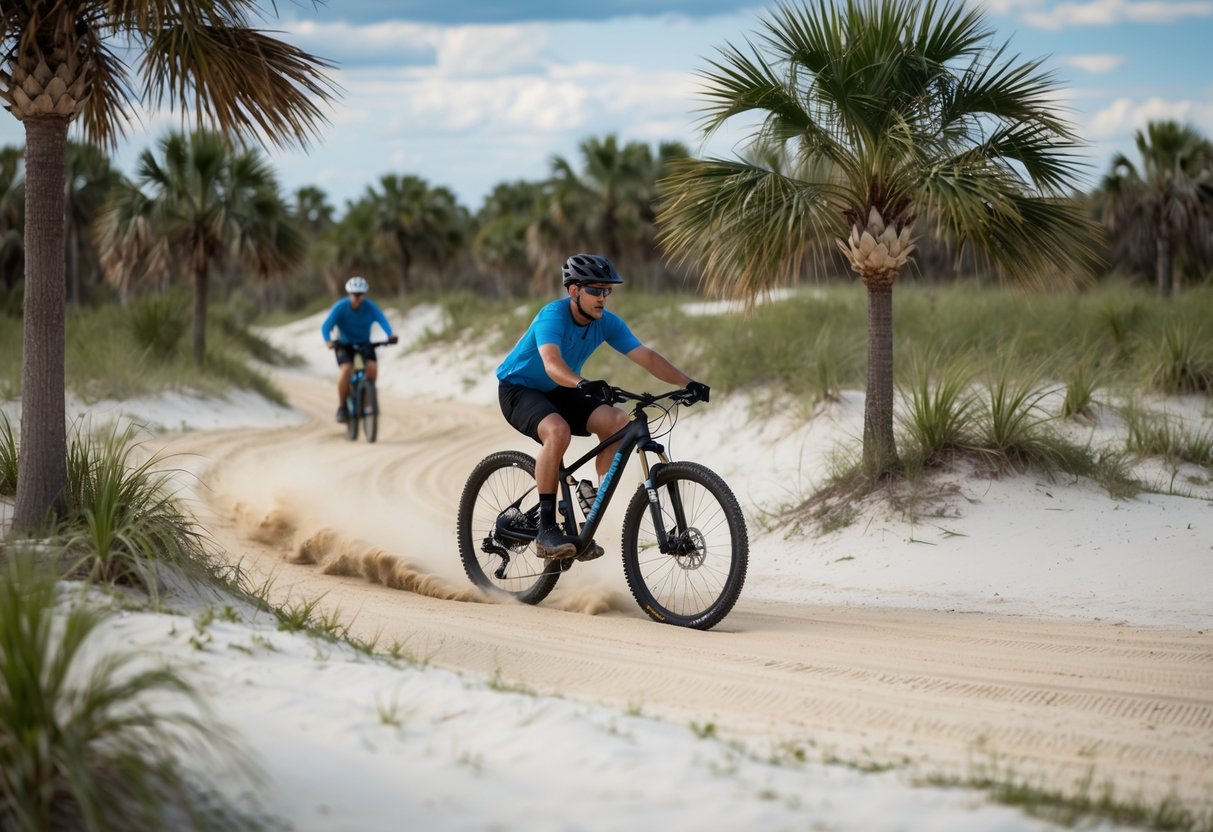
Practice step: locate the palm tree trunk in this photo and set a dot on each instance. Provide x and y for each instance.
(879, 446)
(1163, 266)
(42, 466)
(200, 292)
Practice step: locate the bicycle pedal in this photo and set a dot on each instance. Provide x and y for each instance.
(592, 552)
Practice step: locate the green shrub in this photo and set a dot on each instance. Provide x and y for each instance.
(91, 741)
(158, 323)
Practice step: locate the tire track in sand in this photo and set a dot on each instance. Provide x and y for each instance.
(1057, 702)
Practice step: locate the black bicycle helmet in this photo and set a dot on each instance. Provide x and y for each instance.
(589, 268)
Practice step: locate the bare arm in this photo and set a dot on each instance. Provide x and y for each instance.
(658, 366)
(557, 369)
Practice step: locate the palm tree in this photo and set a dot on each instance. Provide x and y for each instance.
(58, 61)
(207, 205)
(885, 111)
(499, 245)
(418, 222)
(604, 202)
(351, 247)
(1165, 208)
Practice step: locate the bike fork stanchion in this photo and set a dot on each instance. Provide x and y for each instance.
(680, 519)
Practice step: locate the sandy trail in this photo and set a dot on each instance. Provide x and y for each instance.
(1055, 702)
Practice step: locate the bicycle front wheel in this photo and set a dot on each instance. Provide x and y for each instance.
(369, 410)
(351, 414)
(698, 579)
(498, 519)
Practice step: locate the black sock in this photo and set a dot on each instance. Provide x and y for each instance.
(547, 511)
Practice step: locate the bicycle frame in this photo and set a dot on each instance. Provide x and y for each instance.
(634, 436)
(359, 373)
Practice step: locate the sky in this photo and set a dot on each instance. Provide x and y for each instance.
(472, 93)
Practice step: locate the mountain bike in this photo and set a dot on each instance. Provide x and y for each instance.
(362, 403)
(685, 545)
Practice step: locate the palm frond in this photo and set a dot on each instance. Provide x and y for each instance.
(237, 80)
(745, 226)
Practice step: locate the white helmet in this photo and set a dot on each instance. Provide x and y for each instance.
(356, 286)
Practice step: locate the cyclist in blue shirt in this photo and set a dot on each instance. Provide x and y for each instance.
(352, 317)
(544, 396)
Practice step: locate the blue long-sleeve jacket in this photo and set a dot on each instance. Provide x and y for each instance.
(353, 325)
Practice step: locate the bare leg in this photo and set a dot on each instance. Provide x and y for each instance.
(603, 422)
(554, 435)
(343, 383)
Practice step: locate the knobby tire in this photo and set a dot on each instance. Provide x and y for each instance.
(369, 410)
(351, 415)
(697, 585)
(494, 485)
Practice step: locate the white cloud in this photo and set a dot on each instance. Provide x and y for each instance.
(1125, 115)
(1110, 12)
(489, 50)
(1007, 6)
(1095, 64)
(387, 43)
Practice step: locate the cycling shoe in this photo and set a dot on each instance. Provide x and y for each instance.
(552, 545)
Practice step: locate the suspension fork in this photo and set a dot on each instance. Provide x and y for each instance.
(675, 500)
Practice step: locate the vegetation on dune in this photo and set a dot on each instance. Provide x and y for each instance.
(92, 738)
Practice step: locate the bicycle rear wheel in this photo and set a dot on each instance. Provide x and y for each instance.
(498, 519)
(369, 410)
(698, 580)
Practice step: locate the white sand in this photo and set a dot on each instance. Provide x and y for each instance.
(353, 743)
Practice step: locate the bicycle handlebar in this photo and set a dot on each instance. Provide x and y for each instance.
(357, 344)
(680, 396)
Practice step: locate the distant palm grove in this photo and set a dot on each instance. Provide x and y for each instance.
(287, 250)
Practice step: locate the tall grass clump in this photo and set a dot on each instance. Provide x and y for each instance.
(1119, 320)
(8, 457)
(91, 740)
(1183, 360)
(1082, 379)
(939, 408)
(121, 522)
(1014, 429)
(1151, 434)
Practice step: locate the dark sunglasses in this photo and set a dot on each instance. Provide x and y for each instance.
(597, 291)
(357, 294)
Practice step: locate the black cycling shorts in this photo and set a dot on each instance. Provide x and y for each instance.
(525, 407)
(345, 353)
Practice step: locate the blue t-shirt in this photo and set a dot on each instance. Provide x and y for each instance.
(555, 325)
(353, 325)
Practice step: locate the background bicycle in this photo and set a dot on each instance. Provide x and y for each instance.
(685, 547)
(362, 403)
